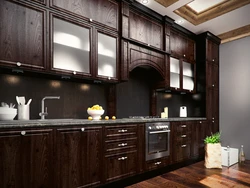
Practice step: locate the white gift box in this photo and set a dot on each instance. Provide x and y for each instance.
(229, 156)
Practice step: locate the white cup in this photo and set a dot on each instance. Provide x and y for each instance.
(23, 112)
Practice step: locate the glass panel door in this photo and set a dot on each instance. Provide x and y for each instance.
(107, 46)
(174, 72)
(71, 46)
(188, 76)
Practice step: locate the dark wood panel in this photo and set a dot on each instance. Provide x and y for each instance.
(23, 34)
(102, 11)
(139, 56)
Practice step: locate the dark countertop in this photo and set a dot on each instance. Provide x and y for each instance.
(72, 122)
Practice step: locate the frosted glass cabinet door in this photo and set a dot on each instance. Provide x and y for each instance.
(71, 46)
(174, 72)
(107, 46)
(188, 76)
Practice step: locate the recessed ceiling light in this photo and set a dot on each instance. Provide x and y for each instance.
(144, 1)
(179, 21)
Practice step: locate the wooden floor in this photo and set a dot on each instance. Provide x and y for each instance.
(197, 175)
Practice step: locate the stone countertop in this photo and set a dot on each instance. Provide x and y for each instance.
(83, 122)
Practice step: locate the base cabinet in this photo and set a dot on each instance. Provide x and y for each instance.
(26, 158)
(78, 156)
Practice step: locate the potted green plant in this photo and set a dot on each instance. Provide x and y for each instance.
(213, 151)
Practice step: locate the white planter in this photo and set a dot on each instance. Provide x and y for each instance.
(213, 156)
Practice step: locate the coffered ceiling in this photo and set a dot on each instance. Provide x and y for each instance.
(228, 19)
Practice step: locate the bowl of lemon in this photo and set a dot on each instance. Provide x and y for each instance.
(95, 112)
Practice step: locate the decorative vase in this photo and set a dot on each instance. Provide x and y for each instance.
(213, 156)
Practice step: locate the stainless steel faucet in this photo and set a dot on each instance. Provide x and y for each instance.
(45, 113)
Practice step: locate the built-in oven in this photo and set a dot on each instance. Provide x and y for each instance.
(157, 140)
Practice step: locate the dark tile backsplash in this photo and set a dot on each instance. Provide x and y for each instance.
(74, 100)
(133, 97)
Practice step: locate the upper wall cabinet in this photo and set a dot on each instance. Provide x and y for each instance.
(80, 49)
(104, 12)
(22, 36)
(141, 28)
(182, 46)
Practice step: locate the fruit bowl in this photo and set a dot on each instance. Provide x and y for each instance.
(95, 114)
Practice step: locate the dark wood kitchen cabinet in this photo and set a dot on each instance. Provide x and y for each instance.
(26, 158)
(181, 133)
(120, 151)
(182, 46)
(145, 30)
(23, 36)
(78, 156)
(103, 12)
(208, 64)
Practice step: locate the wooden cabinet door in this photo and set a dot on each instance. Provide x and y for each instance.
(23, 36)
(212, 75)
(78, 156)
(199, 132)
(212, 51)
(145, 30)
(26, 158)
(101, 11)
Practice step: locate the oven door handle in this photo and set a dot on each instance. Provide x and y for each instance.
(155, 132)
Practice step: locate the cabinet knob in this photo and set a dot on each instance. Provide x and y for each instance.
(212, 117)
(18, 64)
(183, 126)
(109, 78)
(157, 163)
(183, 136)
(82, 129)
(122, 144)
(213, 85)
(74, 72)
(90, 20)
(184, 145)
(213, 60)
(200, 121)
(23, 133)
(122, 158)
(122, 131)
(184, 55)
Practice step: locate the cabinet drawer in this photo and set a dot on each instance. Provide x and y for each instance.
(120, 131)
(182, 128)
(120, 145)
(122, 165)
(183, 138)
(157, 163)
(182, 151)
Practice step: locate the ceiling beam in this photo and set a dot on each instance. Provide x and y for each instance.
(197, 18)
(235, 34)
(166, 3)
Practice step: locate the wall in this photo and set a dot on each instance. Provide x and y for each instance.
(234, 94)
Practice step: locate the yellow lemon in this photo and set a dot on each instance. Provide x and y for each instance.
(90, 118)
(113, 117)
(106, 117)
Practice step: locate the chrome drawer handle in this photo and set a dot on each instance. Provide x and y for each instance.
(183, 126)
(183, 136)
(122, 144)
(183, 146)
(157, 163)
(122, 158)
(122, 131)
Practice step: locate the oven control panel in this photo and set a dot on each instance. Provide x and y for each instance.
(158, 126)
